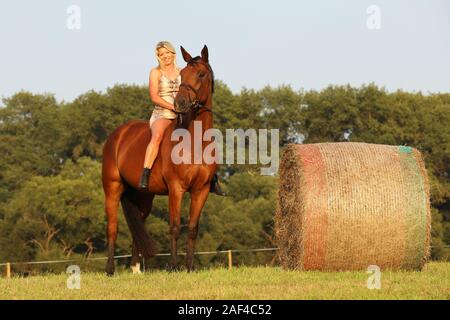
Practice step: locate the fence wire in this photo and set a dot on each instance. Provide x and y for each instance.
(129, 256)
(157, 255)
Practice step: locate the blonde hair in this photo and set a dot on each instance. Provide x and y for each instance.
(169, 47)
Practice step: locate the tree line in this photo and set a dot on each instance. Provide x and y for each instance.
(50, 169)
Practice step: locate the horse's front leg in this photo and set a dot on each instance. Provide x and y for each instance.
(175, 197)
(198, 199)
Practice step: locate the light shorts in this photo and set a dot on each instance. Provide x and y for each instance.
(161, 113)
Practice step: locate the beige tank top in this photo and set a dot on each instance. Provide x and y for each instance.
(168, 90)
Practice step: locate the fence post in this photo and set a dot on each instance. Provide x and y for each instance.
(230, 260)
(8, 270)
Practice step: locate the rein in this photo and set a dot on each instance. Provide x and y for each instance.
(196, 105)
(200, 108)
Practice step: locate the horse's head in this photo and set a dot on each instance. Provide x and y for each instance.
(196, 88)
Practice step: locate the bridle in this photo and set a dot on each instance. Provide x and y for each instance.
(196, 105)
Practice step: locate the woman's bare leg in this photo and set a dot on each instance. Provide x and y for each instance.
(158, 127)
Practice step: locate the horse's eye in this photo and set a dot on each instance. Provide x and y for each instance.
(201, 74)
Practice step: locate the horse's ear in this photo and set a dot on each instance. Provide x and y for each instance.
(186, 56)
(205, 55)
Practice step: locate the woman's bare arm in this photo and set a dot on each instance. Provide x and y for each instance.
(153, 87)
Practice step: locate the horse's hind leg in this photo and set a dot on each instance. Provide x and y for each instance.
(144, 202)
(135, 259)
(136, 210)
(113, 188)
(113, 191)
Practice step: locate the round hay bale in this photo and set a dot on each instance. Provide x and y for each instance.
(348, 205)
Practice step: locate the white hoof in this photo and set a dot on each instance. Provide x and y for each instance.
(136, 269)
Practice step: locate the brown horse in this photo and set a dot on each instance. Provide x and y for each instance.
(123, 155)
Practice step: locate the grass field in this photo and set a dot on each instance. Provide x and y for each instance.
(240, 283)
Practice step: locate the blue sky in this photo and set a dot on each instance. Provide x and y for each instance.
(252, 43)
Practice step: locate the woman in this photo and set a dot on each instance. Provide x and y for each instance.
(164, 83)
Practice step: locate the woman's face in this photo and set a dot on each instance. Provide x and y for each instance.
(166, 56)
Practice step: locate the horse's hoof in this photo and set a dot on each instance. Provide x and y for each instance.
(191, 269)
(109, 274)
(136, 269)
(109, 271)
(172, 268)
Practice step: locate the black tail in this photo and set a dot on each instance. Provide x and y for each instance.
(141, 238)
